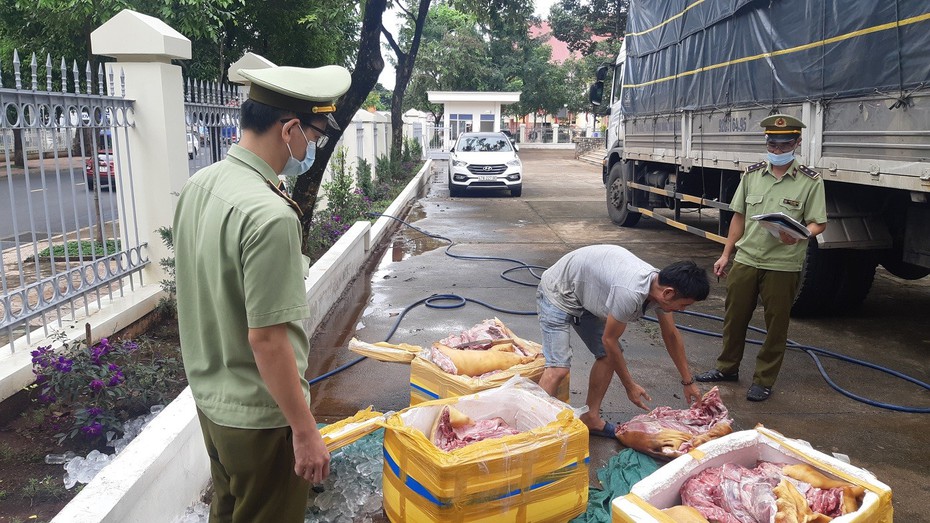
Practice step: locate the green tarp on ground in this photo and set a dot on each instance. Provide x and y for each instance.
(617, 477)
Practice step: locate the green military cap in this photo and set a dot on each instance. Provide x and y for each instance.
(782, 127)
(298, 89)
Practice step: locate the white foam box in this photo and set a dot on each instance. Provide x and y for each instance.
(660, 489)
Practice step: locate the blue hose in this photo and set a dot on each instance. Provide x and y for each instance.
(459, 301)
(813, 352)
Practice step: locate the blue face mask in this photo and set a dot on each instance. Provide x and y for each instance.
(295, 167)
(781, 159)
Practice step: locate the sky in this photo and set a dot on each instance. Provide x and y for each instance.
(391, 21)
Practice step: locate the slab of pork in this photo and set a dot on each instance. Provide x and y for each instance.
(668, 433)
(446, 437)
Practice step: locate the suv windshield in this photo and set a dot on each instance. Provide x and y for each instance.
(483, 143)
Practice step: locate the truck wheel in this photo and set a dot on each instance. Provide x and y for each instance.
(618, 196)
(904, 270)
(818, 285)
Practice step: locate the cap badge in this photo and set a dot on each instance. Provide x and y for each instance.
(780, 122)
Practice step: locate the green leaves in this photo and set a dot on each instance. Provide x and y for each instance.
(582, 24)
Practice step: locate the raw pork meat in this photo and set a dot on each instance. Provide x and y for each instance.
(449, 434)
(734, 494)
(486, 331)
(668, 433)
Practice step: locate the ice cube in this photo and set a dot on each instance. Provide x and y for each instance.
(55, 459)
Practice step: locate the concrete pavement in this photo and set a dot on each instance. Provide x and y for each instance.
(563, 208)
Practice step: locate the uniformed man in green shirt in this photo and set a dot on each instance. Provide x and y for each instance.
(766, 267)
(241, 300)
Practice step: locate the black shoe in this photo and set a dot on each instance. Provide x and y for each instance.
(716, 375)
(758, 393)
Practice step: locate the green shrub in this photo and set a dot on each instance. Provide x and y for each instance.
(365, 182)
(89, 390)
(168, 305)
(352, 196)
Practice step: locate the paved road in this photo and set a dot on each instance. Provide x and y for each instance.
(58, 201)
(563, 208)
(48, 205)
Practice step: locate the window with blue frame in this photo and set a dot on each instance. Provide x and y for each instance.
(458, 124)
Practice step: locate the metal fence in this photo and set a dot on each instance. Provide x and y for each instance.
(211, 112)
(64, 184)
(436, 145)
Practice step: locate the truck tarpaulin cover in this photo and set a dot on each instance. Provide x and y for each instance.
(692, 54)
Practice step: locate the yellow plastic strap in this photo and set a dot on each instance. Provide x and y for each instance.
(652, 511)
(825, 466)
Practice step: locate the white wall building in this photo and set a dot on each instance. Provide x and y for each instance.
(470, 111)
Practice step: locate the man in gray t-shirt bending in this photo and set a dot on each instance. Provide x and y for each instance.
(598, 290)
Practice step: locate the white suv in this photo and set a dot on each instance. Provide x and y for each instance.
(484, 161)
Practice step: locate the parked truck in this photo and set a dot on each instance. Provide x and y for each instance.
(694, 78)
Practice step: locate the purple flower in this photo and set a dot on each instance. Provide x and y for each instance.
(116, 379)
(93, 429)
(47, 398)
(113, 367)
(130, 346)
(93, 412)
(96, 385)
(98, 352)
(63, 364)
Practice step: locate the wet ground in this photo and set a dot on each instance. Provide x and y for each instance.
(562, 208)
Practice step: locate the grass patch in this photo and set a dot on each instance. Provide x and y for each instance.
(44, 489)
(86, 248)
(9, 455)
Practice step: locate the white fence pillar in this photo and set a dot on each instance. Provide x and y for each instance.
(157, 151)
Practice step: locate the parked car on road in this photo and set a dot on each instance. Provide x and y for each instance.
(485, 160)
(193, 146)
(103, 161)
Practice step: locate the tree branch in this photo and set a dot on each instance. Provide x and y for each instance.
(390, 38)
(403, 8)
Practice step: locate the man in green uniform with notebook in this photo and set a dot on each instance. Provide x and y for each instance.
(766, 267)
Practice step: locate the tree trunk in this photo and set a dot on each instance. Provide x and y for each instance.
(368, 66)
(402, 76)
(19, 154)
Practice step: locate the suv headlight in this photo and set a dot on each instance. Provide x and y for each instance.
(514, 163)
(459, 163)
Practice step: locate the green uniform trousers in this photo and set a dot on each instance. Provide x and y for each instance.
(746, 285)
(253, 475)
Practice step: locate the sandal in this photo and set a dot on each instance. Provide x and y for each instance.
(758, 393)
(715, 375)
(608, 431)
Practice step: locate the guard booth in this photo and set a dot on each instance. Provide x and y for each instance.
(465, 111)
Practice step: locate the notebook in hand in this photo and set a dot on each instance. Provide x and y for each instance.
(777, 222)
